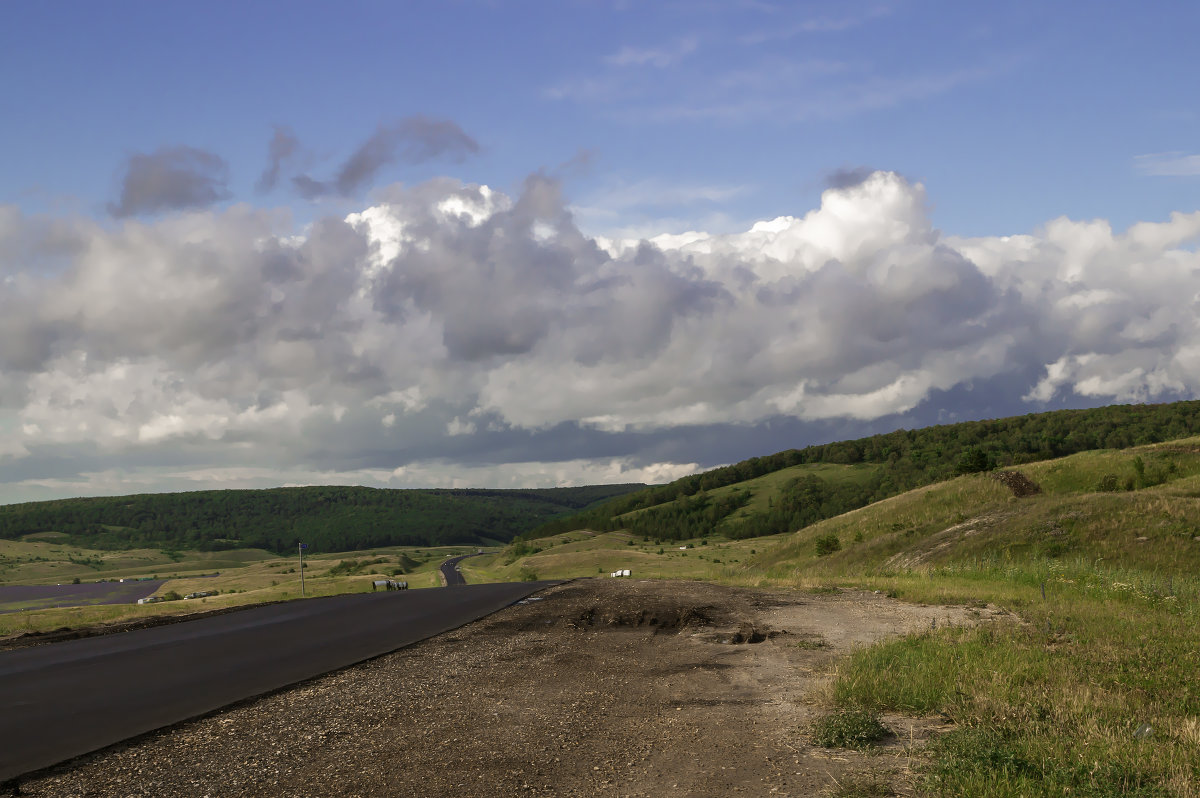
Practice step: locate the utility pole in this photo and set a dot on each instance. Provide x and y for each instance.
(301, 549)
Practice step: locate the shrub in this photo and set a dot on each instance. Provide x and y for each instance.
(171, 595)
(1107, 484)
(849, 728)
(528, 574)
(828, 544)
(974, 460)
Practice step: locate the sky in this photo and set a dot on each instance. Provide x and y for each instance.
(529, 244)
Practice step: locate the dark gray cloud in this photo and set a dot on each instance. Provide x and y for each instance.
(171, 179)
(282, 146)
(412, 140)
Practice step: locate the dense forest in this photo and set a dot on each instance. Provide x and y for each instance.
(902, 460)
(327, 518)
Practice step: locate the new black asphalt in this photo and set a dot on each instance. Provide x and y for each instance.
(450, 570)
(65, 699)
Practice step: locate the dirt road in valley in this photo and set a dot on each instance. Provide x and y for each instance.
(596, 687)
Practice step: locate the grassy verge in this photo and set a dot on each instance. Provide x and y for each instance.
(1090, 691)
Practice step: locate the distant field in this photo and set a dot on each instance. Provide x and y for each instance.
(580, 553)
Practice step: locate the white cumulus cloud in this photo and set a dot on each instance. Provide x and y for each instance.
(453, 324)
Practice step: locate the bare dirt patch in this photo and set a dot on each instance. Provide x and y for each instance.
(1020, 485)
(596, 687)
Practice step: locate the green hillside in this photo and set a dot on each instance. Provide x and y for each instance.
(1134, 509)
(798, 487)
(1090, 688)
(329, 518)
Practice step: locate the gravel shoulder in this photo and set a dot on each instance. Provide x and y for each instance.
(595, 687)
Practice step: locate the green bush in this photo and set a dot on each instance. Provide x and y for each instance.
(828, 544)
(849, 728)
(527, 574)
(974, 460)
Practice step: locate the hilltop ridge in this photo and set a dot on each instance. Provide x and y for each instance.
(333, 518)
(794, 488)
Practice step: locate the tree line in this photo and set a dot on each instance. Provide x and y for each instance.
(903, 460)
(327, 518)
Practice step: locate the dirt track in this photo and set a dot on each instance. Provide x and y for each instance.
(602, 687)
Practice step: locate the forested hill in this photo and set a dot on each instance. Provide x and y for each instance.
(327, 518)
(824, 481)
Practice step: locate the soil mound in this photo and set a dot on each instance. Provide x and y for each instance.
(1020, 485)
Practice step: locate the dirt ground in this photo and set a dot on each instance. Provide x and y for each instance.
(597, 687)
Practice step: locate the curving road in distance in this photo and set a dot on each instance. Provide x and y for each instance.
(450, 570)
(61, 700)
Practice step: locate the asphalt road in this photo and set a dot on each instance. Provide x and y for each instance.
(14, 598)
(65, 699)
(450, 570)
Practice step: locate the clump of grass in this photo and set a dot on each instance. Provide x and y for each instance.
(965, 759)
(811, 642)
(860, 786)
(849, 728)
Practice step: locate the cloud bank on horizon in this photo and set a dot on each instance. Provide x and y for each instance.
(451, 334)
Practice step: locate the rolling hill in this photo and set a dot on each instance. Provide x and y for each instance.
(792, 489)
(329, 518)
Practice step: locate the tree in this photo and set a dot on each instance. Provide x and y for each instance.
(974, 460)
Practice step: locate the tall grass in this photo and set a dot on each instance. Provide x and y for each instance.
(1090, 691)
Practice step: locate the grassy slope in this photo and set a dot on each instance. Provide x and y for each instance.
(1050, 704)
(974, 519)
(763, 490)
(883, 466)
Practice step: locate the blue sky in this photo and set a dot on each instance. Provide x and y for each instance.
(1010, 113)
(980, 209)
